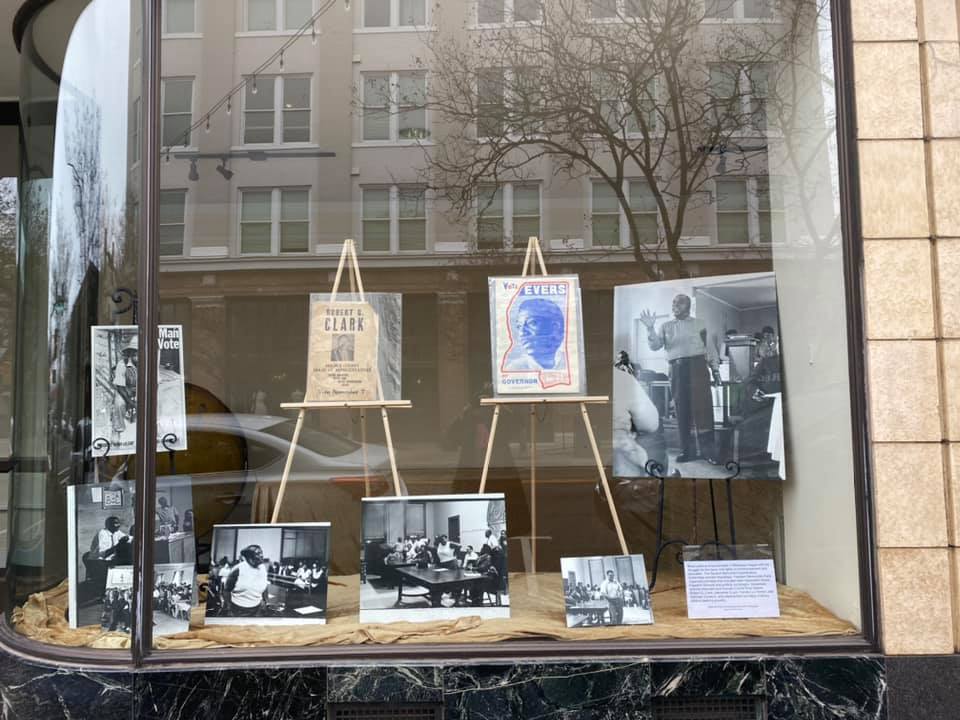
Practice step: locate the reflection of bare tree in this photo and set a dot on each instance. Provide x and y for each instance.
(8, 305)
(87, 181)
(649, 92)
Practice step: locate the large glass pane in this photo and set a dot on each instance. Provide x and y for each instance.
(376, 107)
(261, 14)
(180, 16)
(77, 248)
(296, 13)
(258, 117)
(177, 112)
(412, 12)
(756, 262)
(296, 110)
(376, 219)
(376, 13)
(490, 11)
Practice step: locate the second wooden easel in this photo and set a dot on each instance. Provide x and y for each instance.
(348, 257)
(533, 260)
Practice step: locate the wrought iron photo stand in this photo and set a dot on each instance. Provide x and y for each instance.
(533, 260)
(348, 257)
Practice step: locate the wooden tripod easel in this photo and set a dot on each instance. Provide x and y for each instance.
(348, 256)
(534, 254)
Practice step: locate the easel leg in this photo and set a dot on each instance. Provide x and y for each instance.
(486, 459)
(393, 457)
(603, 478)
(366, 464)
(287, 466)
(533, 489)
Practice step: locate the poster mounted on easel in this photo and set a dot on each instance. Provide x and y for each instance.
(388, 308)
(536, 335)
(342, 363)
(114, 368)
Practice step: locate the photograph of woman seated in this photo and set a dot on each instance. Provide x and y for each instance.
(268, 574)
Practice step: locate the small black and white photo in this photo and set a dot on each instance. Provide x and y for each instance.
(100, 538)
(174, 593)
(174, 537)
(434, 557)
(697, 378)
(115, 364)
(343, 348)
(171, 390)
(606, 590)
(268, 574)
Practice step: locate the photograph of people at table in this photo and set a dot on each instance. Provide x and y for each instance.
(609, 590)
(434, 557)
(268, 574)
(697, 378)
(174, 593)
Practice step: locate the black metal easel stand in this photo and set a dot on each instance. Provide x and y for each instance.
(656, 470)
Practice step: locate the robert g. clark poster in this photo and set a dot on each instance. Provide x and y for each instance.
(536, 335)
(342, 361)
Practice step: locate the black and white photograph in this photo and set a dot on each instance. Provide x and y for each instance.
(606, 590)
(173, 521)
(100, 537)
(116, 357)
(269, 574)
(697, 379)
(171, 390)
(434, 557)
(100, 531)
(115, 362)
(174, 593)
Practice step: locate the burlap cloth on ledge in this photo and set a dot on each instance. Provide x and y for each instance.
(537, 613)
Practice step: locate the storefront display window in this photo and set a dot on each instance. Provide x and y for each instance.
(531, 323)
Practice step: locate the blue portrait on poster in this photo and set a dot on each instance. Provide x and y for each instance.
(536, 335)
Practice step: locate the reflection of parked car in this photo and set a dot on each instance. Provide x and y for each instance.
(236, 462)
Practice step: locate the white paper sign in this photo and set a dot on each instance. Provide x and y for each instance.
(731, 589)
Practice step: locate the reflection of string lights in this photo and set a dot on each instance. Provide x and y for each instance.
(227, 100)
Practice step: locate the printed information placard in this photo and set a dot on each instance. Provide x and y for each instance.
(723, 589)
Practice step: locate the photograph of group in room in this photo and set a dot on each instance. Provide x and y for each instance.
(697, 378)
(609, 590)
(100, 531)
(434, 557)
(174, 593)
(268, 574)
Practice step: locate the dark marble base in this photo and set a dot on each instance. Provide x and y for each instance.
(924, 687)
(821, 688)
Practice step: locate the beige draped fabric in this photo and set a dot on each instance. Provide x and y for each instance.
(536, 613)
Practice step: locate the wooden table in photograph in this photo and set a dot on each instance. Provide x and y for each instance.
(438, 582)
(592, 611)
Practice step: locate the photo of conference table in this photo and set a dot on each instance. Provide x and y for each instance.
(588, 613)
(438, 581)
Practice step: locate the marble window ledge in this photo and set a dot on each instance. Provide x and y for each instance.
(815, 688)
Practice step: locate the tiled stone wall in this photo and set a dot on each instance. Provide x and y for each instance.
(907, 70)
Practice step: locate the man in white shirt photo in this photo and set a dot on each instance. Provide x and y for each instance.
(612, 592)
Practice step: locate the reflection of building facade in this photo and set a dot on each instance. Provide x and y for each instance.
(259, 195)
